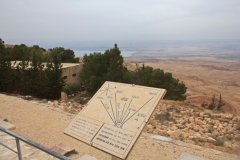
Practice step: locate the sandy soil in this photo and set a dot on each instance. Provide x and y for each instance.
(45, 125)
(204, 79)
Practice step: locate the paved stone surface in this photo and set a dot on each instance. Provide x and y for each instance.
(28, 152)
(62, 149)
(7, 125)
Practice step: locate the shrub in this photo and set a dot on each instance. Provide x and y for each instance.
(71, 89)
(220, 103)
(238, 126)
(163, 117)
(219, 142)
(173, 108)
(198, 141)
(217, 106)
(229, 137)
(212, 105)
(210, 129)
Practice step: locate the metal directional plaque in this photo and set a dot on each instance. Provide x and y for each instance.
(115, 116)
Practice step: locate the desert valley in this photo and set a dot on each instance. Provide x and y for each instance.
(204, 78)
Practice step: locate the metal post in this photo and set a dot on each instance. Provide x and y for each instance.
(18, 149)
(29, 142)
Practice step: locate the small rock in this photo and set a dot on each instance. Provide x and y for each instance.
(162, 132)
(175, 134)
(55, 103)
(208, 112)
(65, 108)
(44, 101)
(185, 135)
(235, 119)
(149, 126)
(191, 119)
(169, 132)
(196, 128)
(225, 124)
(197, 135)
(227, 116)
(61, 107)
(28, 97)
(174, 128)
(211, 140)
(228, 144)
(64, 97)
(201, 114)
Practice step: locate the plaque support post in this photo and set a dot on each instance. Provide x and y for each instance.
(115, 158)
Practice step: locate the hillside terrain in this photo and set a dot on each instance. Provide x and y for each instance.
(204, 78)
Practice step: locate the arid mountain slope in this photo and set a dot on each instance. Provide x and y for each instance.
(203, 79)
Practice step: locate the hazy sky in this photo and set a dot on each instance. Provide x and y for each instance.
(32, 21)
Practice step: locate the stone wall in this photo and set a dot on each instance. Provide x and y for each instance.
(70, 74)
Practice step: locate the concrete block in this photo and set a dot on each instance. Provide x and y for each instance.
(186, 156)
(87, 157)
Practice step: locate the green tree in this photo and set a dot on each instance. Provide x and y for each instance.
(93, 71)
(30, 76)
(114, 63)
(148, 76)
(66, 55)
(220, 103)
(5, 67)
(36, 75)
(21, 53)
(54, 72)
(212, 105)
(98, 68)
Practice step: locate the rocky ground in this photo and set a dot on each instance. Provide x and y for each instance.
(68, 103)
(199, 126)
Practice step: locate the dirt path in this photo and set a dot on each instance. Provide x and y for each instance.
(45, 125)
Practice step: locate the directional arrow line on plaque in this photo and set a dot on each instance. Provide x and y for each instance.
(116, 108)
(122, 112)
(124, 115)
(107, 111)
(136, 111)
